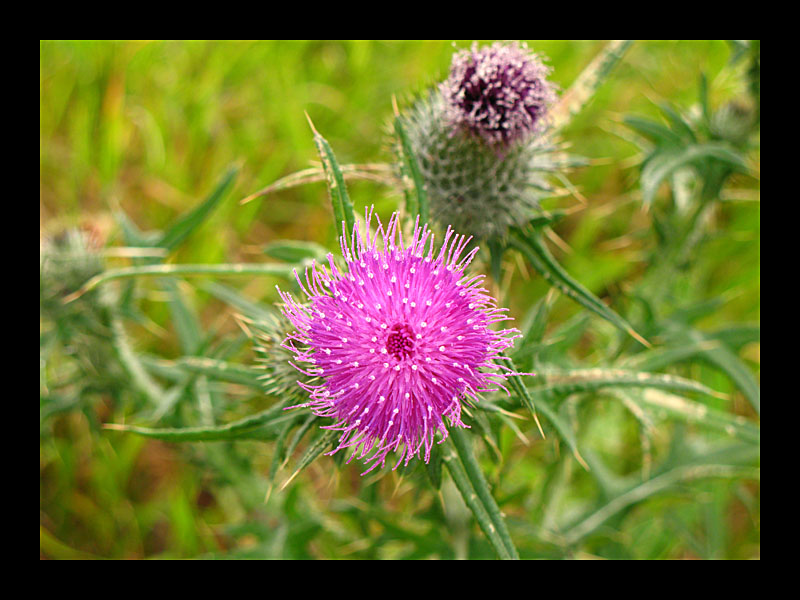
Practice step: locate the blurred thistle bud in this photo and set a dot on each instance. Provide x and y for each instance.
(479, 140)
(499, 93)
(67, 260)
(733, 122)
(276, 348)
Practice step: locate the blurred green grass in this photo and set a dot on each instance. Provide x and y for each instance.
(150, 126)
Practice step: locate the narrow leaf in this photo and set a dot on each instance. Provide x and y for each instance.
(589, 81)
(187, 223)
(463, 446)
(533, 248)
(241, 429)
(340, 200)
(472, 501)
(418, 201)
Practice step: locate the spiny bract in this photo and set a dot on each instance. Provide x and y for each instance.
(398, 340)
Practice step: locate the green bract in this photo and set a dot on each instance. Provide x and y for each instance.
(470, 184)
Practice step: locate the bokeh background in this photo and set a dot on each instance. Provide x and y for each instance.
(149, 127)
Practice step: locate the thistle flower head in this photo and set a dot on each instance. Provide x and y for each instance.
(396, 341)
(498, 92)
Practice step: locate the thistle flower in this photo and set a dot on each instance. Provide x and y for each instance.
(479, 141)
(397, 341)
(499, 92)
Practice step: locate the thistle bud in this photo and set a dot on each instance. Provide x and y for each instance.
(478, 140)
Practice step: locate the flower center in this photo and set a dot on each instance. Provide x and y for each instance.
(400, 343)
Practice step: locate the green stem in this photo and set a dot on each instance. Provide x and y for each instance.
(464, 448)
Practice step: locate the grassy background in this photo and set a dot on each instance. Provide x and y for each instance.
(150, 126)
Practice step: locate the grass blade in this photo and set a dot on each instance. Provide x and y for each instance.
(186, 224)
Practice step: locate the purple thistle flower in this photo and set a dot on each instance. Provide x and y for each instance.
(499, 92)
(398, 340)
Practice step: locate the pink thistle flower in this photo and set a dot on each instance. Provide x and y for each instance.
(397, 341)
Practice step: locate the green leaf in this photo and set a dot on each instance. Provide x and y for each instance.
(573, 381)
(433, 467)
(187, 326)
(418, 201)
(463, 445)
(659, 133)
(589, 81)
(187, 223)
(220, 370)
(669, 478)
(473, 502)
(292, 251)
(246, 428)
(665, 163)
(562, 427)
(695, 412)
(340, 200)
(322, 443)
(229, 295)
(220, 270)
(533, 248)
(679, 124)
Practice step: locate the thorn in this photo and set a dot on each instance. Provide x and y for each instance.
(638, 338)
(311, 124)
(539, 425)
(115, 426)
(288, 481)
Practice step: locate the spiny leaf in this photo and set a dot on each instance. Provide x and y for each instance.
(656, 132)
(474, 503)
(659, 483)
(318, 446)
(665, 163)
(377, 172)
(533, 248)
(340, 200)
(695, 412)
(571, 381)
(245, 428)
